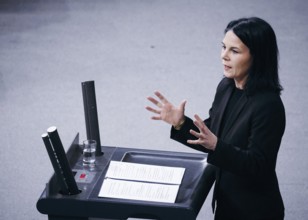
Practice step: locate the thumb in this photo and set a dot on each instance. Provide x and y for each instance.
(182, 105)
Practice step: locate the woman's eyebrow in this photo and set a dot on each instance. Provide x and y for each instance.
(232, 47)
(237, 48)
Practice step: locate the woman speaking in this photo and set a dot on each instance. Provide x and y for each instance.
(246, 122)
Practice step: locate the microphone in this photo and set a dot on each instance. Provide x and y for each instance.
(59, 161)
(55, 164)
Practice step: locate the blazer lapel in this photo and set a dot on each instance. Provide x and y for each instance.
(221, 107)
(235, 113)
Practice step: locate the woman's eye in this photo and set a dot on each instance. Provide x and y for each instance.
(234, 51)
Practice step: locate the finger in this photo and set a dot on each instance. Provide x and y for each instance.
(155, 102)
(152, 110)
(200, 124)
(197, 117)
(194, 133)
(156, 117)
(197, 134)
(151, 99)
(193, 142)
(161, 97)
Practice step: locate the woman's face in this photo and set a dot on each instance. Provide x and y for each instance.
(236, 59)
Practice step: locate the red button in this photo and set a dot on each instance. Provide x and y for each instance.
(82, 176)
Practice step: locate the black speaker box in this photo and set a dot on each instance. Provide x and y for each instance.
(90, 111)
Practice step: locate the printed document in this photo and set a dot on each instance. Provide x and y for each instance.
(126, 180)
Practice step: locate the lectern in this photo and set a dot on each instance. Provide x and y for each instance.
(86, 204)
(72, 192)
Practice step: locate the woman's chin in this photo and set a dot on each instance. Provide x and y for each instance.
(228, 75)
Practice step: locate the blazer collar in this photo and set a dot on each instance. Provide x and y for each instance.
(221, 109)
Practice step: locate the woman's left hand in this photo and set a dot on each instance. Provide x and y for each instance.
(205, 137)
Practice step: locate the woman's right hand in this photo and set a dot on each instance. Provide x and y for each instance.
(166, 111)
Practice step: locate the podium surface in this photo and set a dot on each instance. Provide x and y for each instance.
(196, 184)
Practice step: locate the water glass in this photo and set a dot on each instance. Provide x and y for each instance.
(89, 148)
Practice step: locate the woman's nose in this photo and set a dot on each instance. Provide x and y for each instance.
(224, 54)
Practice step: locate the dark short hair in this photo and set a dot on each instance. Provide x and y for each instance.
(260, 38)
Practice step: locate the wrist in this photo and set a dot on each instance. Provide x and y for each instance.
(180, 124)
(215, 143)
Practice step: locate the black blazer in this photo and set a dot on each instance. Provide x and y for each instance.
(246, 184)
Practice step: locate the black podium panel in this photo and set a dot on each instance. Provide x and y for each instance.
(197, 182)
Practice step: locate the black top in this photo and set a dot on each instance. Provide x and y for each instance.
(236, 95)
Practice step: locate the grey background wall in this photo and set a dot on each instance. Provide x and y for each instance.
(131, 48)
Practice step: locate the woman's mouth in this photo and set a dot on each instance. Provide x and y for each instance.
(226, 68)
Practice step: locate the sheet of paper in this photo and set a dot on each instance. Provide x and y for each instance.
(135, 181)
(143, 172)
(123, 189)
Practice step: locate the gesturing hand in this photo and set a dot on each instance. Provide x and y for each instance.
(205, 137)
(166, 111)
